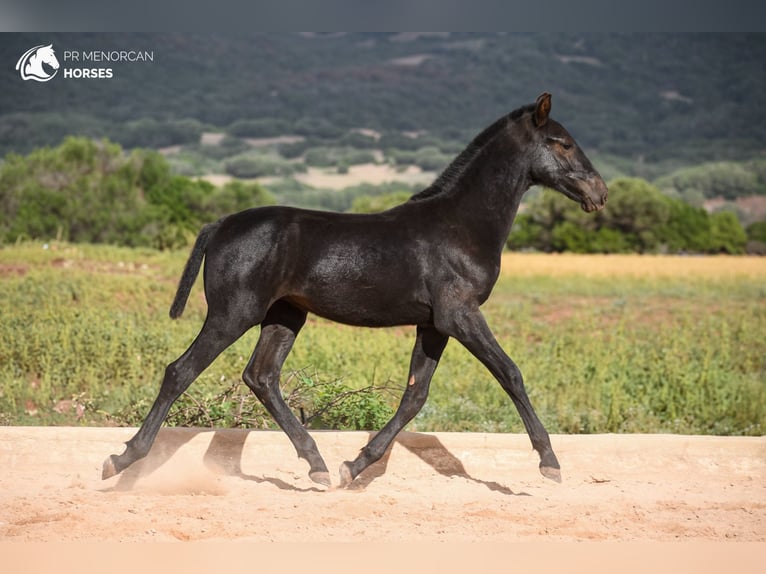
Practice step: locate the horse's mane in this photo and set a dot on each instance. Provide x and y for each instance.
(455, 169)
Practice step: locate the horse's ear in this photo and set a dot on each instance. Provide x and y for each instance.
(542, 109)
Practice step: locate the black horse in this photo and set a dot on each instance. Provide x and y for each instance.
(430, 262)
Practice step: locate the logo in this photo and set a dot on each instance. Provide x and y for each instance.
(34, 63)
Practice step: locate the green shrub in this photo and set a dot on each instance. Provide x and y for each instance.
(259, 128)
(332, 156)
(90, 191)
(253, 166)
(725, 179)
(429, 158)
(319, 404)
(637, 217)
(151, 133)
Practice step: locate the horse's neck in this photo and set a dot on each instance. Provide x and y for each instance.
(487, 196)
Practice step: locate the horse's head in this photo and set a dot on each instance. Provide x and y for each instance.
(559, 163)
(48, 56)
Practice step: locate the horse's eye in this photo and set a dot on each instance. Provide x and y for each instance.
(564, 144)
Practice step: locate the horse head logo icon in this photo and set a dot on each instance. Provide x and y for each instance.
(30, 65)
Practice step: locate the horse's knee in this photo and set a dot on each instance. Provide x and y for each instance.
(258, 382)
(251, 381)
(511, 378)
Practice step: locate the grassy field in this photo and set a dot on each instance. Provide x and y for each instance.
(606, 344)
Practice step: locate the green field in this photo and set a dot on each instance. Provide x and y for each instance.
(606, 344)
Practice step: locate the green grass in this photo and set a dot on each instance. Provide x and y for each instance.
(85, 338)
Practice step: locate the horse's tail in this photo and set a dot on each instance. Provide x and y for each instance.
(192, 269)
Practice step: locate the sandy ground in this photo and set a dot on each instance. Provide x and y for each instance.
(461, 487)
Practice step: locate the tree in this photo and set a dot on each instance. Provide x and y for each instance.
(637, 217)
(236, 196)
(687, 229)
(638, 211)
(527, 233)
(250, 165)
(726, 233)
(725, 179)
(756, 238)
(91, 191)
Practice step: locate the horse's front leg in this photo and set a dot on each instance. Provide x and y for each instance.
(428, 349)
(468, 326)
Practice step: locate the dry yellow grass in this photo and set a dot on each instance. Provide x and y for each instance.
(730, 267)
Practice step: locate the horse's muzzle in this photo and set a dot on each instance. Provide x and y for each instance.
(594, 193)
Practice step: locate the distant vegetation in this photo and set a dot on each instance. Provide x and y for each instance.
(88, 191)
(353, 198)
(639, 218)
(93, 191)
(249, 165)
(649, 97)
(680, 112)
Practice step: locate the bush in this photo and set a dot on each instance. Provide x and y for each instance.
(317, 127)
(235, 196)
(358, 140)
(334, 156)
(637, 217)
(319, 404)
(253, 166)
(296, 149)
(151, 133)
(259, 128)
(429, 158)
(725, 179)
(757, 231)
(726, 234)
(88, 191)
(228, 147)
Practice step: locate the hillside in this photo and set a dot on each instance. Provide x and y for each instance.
(650, 97)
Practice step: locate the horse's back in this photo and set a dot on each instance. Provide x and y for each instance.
(350, 268)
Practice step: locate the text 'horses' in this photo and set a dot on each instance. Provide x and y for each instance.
(430, 262)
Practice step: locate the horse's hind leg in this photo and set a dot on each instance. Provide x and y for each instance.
(278, 332)
(217, 333)
(428, 349)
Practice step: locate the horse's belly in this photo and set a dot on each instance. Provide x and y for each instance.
(361, 308)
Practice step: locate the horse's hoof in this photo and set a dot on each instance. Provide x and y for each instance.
(108, 470)
(345, 475)
(552, 473)
(321, 477)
